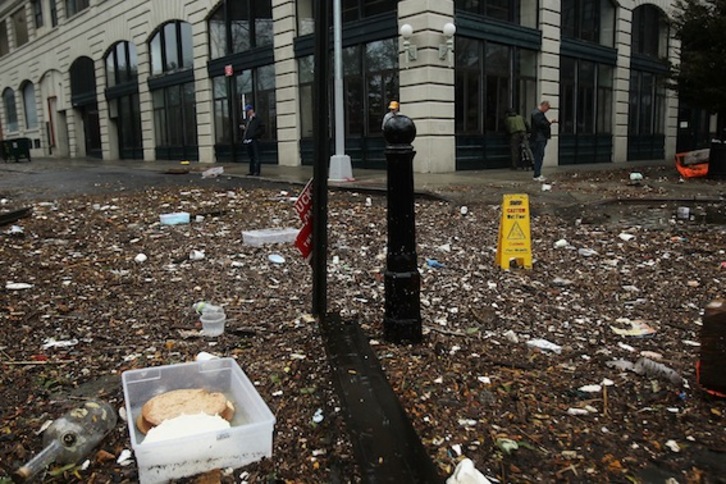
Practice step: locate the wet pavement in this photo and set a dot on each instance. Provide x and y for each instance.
(567, 186)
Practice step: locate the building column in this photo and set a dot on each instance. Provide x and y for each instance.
(548, 72)
(671, 120)
(621, 85)
(286, 81)
(427, 90)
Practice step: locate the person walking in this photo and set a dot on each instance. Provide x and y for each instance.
(517, 129)
(393, 108)
(253, 130)
(541, 133)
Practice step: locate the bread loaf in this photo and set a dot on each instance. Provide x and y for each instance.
(183, 402)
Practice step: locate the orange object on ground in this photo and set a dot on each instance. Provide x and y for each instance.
(691, 170)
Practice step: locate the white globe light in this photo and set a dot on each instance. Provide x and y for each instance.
(449, 30)
(406, 31)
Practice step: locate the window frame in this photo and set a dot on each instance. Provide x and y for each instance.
(11, 110)
(585, 20)
(20, 27)
(227, 27)
(650, 32)
(159, 49)
(74, 7)
(4, 39)
(37, 7)
(30, 106)
(475, 79)
(518, 12)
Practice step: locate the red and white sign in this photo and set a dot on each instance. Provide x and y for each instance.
(304, 208)
(228, 70)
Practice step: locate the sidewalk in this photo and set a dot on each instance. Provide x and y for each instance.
(497, 180)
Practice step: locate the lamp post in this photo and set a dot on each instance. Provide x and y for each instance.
(402, 281)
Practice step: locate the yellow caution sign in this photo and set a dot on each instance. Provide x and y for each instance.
(514, 245)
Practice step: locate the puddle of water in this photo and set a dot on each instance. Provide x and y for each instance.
(661, 216)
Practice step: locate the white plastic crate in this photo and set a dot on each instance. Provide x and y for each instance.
(248, 440)
(257, 238)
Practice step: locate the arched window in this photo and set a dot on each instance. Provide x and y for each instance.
(650, 31)
(239, 25)
(121, 64)
(589, 20)
(31, 110)
(171, 48)
(11, 112)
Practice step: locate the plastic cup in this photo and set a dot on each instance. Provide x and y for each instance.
(213, 323)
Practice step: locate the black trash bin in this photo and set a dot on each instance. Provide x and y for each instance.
(717, 160)
(16, 149)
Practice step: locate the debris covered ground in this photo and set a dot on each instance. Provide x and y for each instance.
(529, 373)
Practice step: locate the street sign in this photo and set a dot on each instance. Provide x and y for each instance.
(514, 246)
(228, 70)
(304, 208)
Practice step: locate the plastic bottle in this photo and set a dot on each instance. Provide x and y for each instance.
(653, 369)
(72, 437)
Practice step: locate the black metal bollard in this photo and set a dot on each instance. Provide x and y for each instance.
(402, 319)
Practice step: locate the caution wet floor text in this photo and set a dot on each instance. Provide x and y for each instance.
(514, 246)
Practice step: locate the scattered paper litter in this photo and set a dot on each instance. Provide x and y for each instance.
(52, 343)
(591, 388)
(213, 172)
(276, 259)
(466, 473)
(638, 328)
(124, 457)
(17, 286)
(543, 344)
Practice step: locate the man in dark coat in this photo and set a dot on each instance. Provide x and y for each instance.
(541, 132)
(254, 128)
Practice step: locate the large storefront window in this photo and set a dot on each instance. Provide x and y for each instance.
(366, 97)
(646, 119)
(589, 20)
(175, 122)
(586, 104)
(370, 82)
(520, 12)
(381, 68)
(172, 92)
(123, 98)
(239, 25)
(491, 78)
(255, 87)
